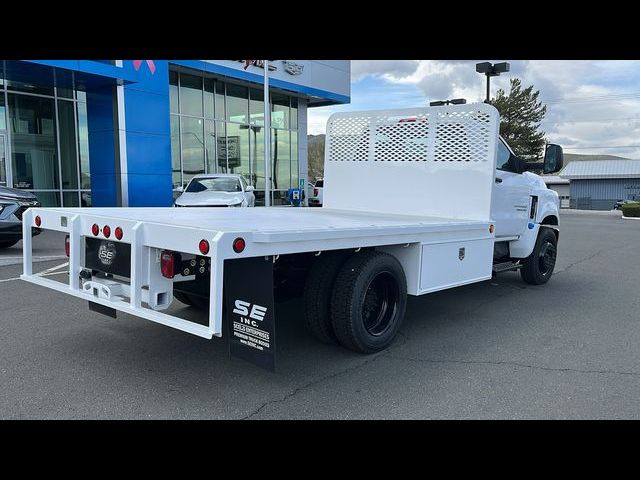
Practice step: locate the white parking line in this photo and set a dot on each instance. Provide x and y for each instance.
(48, 271)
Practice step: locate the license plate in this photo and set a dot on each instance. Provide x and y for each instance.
(108, 256)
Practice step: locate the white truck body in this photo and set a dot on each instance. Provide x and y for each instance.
(436, 164)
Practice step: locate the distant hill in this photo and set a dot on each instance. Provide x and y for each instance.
(316, 156)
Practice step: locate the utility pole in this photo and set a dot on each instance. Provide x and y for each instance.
(267, 137)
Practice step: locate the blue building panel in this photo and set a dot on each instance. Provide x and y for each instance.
(150, 190)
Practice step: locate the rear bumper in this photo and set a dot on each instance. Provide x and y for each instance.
(146, 292)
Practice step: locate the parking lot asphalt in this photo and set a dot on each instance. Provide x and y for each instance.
(496, 349)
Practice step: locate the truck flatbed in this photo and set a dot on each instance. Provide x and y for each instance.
(283, 224)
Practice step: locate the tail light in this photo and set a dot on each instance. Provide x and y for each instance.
(315, 192)
(66, 245)
(167, 264)
(38, 220)
(119, 233)
(238, 245)
(106, 231)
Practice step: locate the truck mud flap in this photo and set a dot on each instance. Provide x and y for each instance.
(248, 288)
(104, 310)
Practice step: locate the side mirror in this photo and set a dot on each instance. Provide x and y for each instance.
(249, 188)
(553, 159)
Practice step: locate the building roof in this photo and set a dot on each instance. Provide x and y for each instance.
(555, 180)
(596, 169)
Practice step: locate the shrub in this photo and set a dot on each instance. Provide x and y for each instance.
(631, 209)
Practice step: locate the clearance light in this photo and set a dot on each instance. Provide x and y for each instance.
(95, 229)
(106, 231)
(38, 220)
(491, 228)
(66, 245)
(238, 245)
(119, 233)
(203, 246)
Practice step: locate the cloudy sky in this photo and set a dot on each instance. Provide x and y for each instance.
(591, 105)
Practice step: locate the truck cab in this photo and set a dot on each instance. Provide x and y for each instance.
(520, 196)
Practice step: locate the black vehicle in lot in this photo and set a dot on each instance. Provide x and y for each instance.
(13, 203)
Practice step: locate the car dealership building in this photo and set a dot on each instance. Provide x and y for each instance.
(133, 132)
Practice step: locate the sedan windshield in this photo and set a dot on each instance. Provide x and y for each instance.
(215, 184)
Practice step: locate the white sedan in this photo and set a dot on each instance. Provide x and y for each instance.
(217, 190)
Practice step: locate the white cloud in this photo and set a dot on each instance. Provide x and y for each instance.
(589, 103)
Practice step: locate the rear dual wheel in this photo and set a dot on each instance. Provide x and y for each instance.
(359, 301)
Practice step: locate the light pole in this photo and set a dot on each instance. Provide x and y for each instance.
(491, 70)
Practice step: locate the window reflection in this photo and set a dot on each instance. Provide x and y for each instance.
(192, 143)
(191, 95)
(222, 131)
(33, 142)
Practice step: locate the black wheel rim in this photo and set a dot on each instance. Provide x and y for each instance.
(547, 258)
(380, 303)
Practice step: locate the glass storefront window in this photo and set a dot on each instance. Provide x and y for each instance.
(70, 199)
(45, 134)
(295, 177)
(3, 121)
(67, 143)
(281, 159)
(33, 142)
(221, 147)
(209, 101)
(256, 107)
(190, 95)
(173, 91)
(294, 113)
(48, 199)
(192, 143)
(64, 83)
(237, 103)
(228, 135)
(176, 174)
(83, 146)
(238, 149)
(210, 164)
(220, 100)
(29, 78)
(279, 111)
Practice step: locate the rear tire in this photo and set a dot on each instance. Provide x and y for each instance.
(538, 267)
(317, 295)
(369, 301)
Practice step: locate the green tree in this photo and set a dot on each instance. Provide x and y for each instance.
(520, 116)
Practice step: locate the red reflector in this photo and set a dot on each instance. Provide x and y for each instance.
(95, 229)
(166, 264)
(66, 245)
(106, 231)
(238, 245)
(118, 233)
(38, 220)
(203, 246)
(315, 192)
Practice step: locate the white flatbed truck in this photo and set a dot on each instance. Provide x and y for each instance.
(415, 201)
